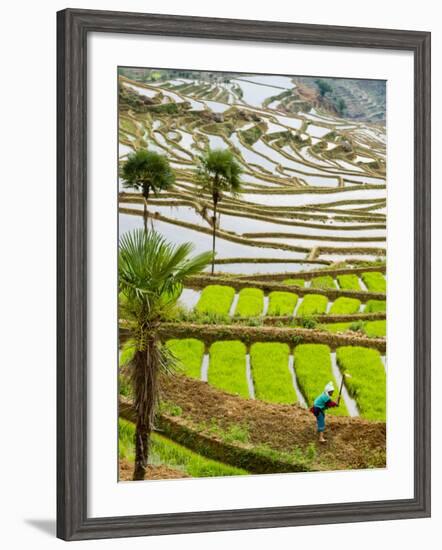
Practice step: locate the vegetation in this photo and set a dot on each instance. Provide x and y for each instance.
(348, 282)
(323, 281)
(250, 302)
(344, 305)
(150, 276)
(189, 354)
(218, 173)
(167, 452)
(147, 171)
(282, 303)
(368, 381)
(313, 370)
(312, 304)
(375, 306)
(324, 87)
(216, 299)
(227, 367)
(376, 329)
(374, 281)
(295, 282)
(271, 375)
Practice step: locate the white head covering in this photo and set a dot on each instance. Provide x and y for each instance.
(329, 387)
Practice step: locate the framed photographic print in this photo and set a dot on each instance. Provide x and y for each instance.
(233, 197)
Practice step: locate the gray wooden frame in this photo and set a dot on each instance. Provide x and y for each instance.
(73, 27)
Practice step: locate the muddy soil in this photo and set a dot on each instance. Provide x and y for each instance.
(352, 443)
(126, 470)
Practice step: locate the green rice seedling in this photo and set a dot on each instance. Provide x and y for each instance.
(216, 299)
(313, 370)
(348, 282)
(271, 375)
(167, 452)
(375, 306)
(282, 303)
(126, 440)
(324, 281)
(336, 327)
(250, 302)
(376, 329)
(312, 304)
(374, 281)
(227, 367)
(344, 305)
(357, 326)
(177, 456)
(189, 353)
(368, 380)
(295, 282)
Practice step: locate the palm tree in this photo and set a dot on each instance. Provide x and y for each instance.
(151, 273)
(218, 173)
(147, 171)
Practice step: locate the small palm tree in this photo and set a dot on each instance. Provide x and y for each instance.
(218, 173)
(151, 272)
(147, 171)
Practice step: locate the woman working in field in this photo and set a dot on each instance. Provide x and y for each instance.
(320, 404)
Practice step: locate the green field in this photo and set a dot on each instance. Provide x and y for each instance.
(345, 306)
(189, 353)
(312, 304)
(313, 370)
(216, 299)
(374, 281)
(295, 282)
(368, 380)
(250, 302)
(375, 306)
(271, 375)
(227, 367)
(171, 454)
(282, 303)
(348, 282)
(323, 281)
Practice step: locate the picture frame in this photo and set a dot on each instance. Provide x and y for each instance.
(73, 27)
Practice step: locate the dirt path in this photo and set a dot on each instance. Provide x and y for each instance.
(352, 442)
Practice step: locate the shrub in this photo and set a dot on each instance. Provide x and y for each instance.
(215, 299)
(271, 375)
(374, 281)
(375, 306)
(250, 302)
(344, 305)
(312, 304)
(313, 370)
(349, 282)
(324, 281)
(368, 381)
(282, 303)
(227, 367)
(189, 353)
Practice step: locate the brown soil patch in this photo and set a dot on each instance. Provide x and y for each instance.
(126, 469)
(351, 442)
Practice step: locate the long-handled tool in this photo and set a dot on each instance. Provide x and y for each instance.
(344, 375)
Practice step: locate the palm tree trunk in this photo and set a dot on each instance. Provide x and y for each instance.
(215, 202)
(145, 384)
(145, 215)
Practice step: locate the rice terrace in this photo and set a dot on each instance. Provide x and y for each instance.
(252, 274)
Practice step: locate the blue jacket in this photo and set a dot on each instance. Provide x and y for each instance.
(321, 402)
